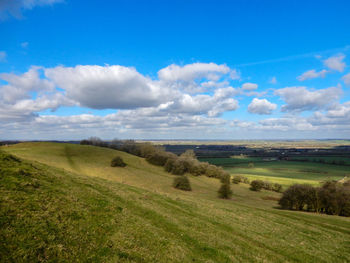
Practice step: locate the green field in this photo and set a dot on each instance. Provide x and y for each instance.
(234, 160)
(284, 172)
(327, 159)
(65, 203)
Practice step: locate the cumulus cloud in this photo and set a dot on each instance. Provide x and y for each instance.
(114, 87)
(301, 99)
(25, 110)
(249, 86)
(15, 7)
(193, 71)
(19, 86)
(196, 77)
(261, 106)
(336, 118)
(312, 74)
(346, 79)
(26, 94)
(188, 98)
(201, 104)
(78, 126)
(335, 63)
(3, 56)
(286, 124)
(340, 110)
(213, 106)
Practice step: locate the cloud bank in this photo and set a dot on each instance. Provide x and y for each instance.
(183, 100)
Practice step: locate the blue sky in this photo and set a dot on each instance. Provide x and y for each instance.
(174, 69)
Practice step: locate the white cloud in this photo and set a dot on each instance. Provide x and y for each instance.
(26, 109)
(15, 7)
(273, 80)
(235, 75)
(201, 104)
(155, 106)
(335, 63)
(42, 103)
(261, 106)
(249, 86)
(286, 124)
(346, 79)
(242, 124)
(337, 118)
(301, 99)
(114, 87)
(213, 106)
(26, 94)
(80, 126)
(193, 71)
(3, 56)
(340, 110)
(19, 86)
(196, 77)
(109, 87)
(311, 74)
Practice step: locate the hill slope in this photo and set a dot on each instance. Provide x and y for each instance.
(48, 212)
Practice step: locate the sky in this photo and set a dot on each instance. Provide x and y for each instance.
(215, 70)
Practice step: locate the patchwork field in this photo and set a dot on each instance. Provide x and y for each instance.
(284, 172)
(64, 202)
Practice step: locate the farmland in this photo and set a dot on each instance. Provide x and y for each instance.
(284, 172)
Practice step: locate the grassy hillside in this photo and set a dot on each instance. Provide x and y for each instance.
(60, 208)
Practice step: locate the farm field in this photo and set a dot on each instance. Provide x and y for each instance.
(81, 209)
(326, 159)
(284, 172)
(234, 160)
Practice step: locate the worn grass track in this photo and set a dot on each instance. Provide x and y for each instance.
(77, 208)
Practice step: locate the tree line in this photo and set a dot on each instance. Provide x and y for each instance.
(172, 163)
(331, 198)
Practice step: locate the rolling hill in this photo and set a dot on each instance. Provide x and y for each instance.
(63, 202)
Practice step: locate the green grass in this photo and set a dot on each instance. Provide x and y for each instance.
(327, 159)
(234, 160)
(65, 203)
(283, 172)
